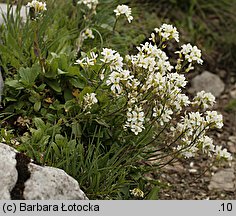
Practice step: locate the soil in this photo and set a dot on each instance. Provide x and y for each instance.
(190, 179)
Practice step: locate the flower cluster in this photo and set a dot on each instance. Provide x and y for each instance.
(91, 4)
(191, 53)
(152, 88)
(136, 192)
(38, 7)
(123, 10)
(135, 120)
(87, 60)
(112, 58)
(89, 100)
(192, 134)
(88, 33)
(204, 99)
(166, 32)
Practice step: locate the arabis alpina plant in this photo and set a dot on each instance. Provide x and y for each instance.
(123, 10)
(151, 89)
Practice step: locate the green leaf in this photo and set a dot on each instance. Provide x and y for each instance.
(14, 84)
(29, 75)
(41, 87)
(68, 95)
(60, 72)
(37, 106)
(153, 195)
(78, 82)
(54, 85)
(69, 104)
(76, 130)
(102, 122)
(39, 123)
(56, 149)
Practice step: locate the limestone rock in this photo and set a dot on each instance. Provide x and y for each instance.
(8, 172)
(208, 82)
(3, 10)
(42, 183)
(223, 180)
(47, 183)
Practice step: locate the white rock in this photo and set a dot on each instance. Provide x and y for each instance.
(44, 183)
(208, 82)
(223, 180)
(8, 172)
(48, 183)
(3, 10)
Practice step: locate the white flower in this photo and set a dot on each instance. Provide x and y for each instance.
(88, 33)
(214, 118)
(207, 144)
(204, 99)
(89, 3)
(168, 32)
(114, 80)
(191, 54)
(135, 120)
(180, 101)
(136, 192)
(113, 58)
(124, 9)
(89, 100)
(108, 55)
(38, 6)
(163, 114)
(86, 61)
(178, 80)
(223, 153)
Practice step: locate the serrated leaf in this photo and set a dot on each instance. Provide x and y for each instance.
(28, 75)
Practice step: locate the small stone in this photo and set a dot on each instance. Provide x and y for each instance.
(232, 147)
(232, 139)
(176, 168)
(192, 170)
(223, 180)
(208, 82)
